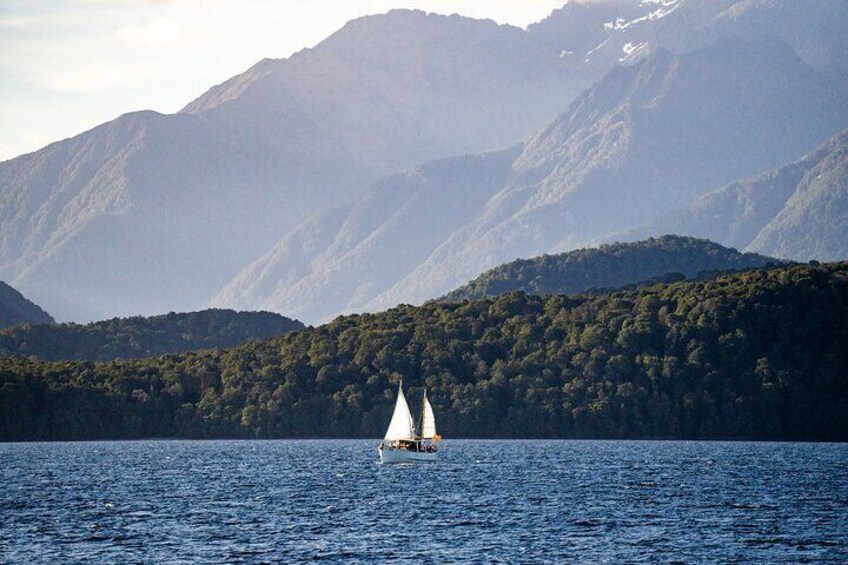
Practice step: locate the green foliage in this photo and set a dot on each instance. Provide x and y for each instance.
(664, 259)
(759, 354)
(142, 337)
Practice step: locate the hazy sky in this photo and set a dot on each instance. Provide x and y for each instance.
(68, 65)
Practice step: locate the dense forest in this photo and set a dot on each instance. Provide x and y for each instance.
(759, 354)
(610, 266)
(124, 338)
(16, 309)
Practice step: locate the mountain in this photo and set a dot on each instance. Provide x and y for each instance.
(595, 36)
(608, 266)
(205, 192)
(344, 257)
(797, 211)
(16, 309)
(646, 139)
(139, 337)
(153, 212)
(753, 355)
(813, 29)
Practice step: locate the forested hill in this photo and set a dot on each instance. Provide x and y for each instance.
(142, 337)
(758, 354)
(16, 309)
(609, 266)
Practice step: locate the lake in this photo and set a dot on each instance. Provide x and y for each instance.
(483, 502)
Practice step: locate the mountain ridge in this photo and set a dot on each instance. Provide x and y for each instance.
(639, 159)
(644, 138)
(141, 337)
(16, 309)
(761, 214)
(211, 188)
(206, 193)
(609, 266)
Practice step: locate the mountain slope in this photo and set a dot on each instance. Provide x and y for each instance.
(609, 266)
(797, 211)
(594, 36)
(754, 355)
(143, 337)
(814, 222)
(204, 192)
(343, 257)
(16, 309)
(646, 139)
(599, 35)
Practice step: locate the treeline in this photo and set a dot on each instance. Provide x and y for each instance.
(125, 338)
(759, 354)
(613, 266)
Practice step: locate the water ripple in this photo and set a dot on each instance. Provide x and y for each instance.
(484, 502)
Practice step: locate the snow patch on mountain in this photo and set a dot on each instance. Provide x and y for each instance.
(631, 50)
(599, 46)
(666, 8)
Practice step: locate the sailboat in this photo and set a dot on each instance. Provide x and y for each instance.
(402, 443)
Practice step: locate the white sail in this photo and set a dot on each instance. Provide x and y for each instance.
(428, 421)
(401, 426)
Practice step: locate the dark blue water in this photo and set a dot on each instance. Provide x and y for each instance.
(485, 501)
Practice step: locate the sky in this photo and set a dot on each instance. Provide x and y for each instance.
(69, 65)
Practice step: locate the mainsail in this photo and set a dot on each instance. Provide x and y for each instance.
(401, 426)
(428, 421)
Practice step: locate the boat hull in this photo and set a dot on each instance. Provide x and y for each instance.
(389, 455)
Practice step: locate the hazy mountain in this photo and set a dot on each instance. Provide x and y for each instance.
(344, 257)
(815, 30)
(16, 309)
(149, 212)
(152, 212)
(814, 222)
(609, 266)
(646, 139)
(594, 35)
(798, 211)
(598, 35)
(143, 337)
